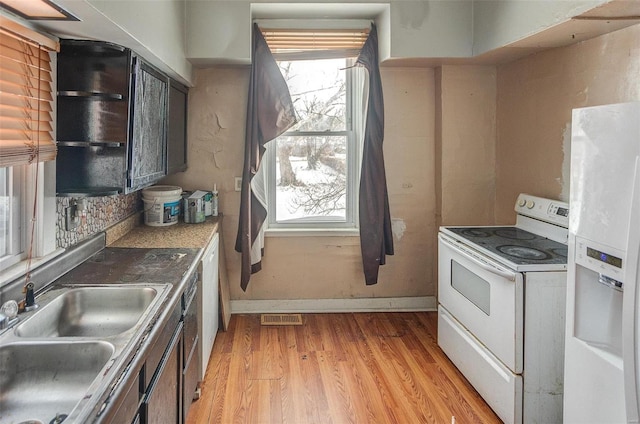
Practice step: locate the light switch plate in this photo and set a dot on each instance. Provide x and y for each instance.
(238, 183)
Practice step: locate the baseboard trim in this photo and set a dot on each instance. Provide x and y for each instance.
(385, 304)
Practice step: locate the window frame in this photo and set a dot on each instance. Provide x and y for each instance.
(33, 188)
(44, 237)
(15, 240)
(306, 226)
(24, 180)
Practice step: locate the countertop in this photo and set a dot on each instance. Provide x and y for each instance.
(180, 235)
(183, 235)
(149, 255)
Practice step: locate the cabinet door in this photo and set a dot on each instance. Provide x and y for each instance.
(162, 404)
(147, 154)
(177, 128)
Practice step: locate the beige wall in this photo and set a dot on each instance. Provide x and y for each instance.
(469, 137)
(466, 133)
(323, 267)
(535, 97)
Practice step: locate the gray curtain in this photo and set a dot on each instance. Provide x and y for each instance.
(270, 112)
(376, 240)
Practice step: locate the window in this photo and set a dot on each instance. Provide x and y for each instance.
(10, 223)
(27, 205)
(313, 167)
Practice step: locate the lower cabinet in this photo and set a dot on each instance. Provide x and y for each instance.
(170, 375)
(128, 410)
(162, 400)
(190, 350)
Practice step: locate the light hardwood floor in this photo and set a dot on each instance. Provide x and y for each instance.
(336, 368)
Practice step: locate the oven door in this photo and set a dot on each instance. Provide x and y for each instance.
(486, 298)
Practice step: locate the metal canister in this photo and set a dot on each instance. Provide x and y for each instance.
(194, 208)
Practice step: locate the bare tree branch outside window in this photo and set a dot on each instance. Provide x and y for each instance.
(311, 167)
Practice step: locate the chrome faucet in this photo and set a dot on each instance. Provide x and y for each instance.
(29, 298)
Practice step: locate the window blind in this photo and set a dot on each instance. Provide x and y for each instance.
(291, 44)
(26, 95)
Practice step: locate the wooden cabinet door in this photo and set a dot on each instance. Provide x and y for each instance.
(163, 401)
(147, 155)
(177, 128)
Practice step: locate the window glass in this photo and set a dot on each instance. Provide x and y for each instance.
(11, 219)
(318, 89)
(311, 178)
(312, 174)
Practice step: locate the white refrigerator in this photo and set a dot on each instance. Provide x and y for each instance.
(601, 380)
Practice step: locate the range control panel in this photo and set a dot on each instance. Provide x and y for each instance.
(553, 211)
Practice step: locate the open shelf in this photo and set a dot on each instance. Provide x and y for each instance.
(89, 192)
(91, 94)
(114, 144)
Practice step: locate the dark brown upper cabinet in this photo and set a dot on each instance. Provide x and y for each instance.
(113, 120)
(177, 128)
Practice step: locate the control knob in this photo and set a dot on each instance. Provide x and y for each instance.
(530, 204)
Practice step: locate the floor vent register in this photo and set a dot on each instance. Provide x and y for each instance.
(281, 319)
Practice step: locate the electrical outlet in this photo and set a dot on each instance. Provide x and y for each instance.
(71, 219)
(238, 183)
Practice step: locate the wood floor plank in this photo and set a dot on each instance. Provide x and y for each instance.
(335, 368)
(370, 387)
(266, 360)
(341, 402)
(390, 351)
(292, 388)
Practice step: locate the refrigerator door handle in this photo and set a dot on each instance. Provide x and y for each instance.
(630, 325)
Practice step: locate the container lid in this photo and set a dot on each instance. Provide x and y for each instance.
(162, 191)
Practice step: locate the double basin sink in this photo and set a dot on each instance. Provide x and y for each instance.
(59, 360)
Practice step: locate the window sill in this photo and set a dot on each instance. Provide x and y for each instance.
(312, 232)
(20, 269)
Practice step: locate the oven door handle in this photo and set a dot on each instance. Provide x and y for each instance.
(482, 264)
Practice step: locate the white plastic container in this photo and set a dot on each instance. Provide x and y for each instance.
(161, 205)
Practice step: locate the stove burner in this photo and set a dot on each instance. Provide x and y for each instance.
(524, 252)
(514, 234)
(475, 232)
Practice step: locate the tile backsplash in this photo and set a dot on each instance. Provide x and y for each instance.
(101, 213)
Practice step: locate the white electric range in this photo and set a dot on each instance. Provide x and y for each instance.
(501, 295)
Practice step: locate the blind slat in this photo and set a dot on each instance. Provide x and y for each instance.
(329, 42)
(25, 124)
(24, 113)
(36, 93)
(7, 99)
(21, 58)
(11, 66)
(26, 98)
(10, 79)
(22, 137)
